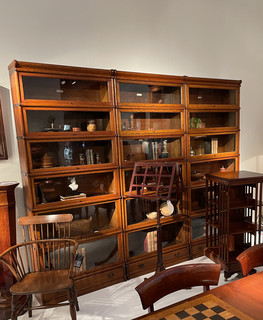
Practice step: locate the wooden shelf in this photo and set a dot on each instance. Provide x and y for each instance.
(237, 203)
(239, 227)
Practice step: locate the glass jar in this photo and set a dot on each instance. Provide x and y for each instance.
(91, 126)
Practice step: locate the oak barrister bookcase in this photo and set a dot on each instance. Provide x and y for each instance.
(80, 131)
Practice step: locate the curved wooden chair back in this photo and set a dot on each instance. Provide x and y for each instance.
(41, 266)
(251, 258)
(46, 226)
(177, 278)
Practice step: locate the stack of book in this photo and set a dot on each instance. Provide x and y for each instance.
(75, 196)
(150, 241)
(214, 145)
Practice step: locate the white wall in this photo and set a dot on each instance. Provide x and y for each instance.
(206, 38)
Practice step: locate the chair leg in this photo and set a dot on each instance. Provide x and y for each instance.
(76, 298)
(13, 308)
(151, 309)
(29, 305)
(206, 288)
(72, 301)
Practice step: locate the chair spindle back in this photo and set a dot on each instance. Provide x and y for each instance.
(40, 255)
(46, 226)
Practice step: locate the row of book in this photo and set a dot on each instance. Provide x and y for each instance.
(210, 146)
(214, 145)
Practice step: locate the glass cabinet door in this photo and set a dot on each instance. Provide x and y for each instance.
(92, 219)
(198, 228)
(198, 200)
(140, 210)
(224, 120)
(98, 253)
(126, 176)
(65, 89)
(126, 179)
(145, 241)
(53, 120)
(151, 149)
(81, 186)
(145, 93)
(212, 144)
(150, 121)
(54, 154)
(212, 96)
(199, 169)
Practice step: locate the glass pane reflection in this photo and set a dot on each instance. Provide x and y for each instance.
(148, 149)
(212, 96)
(56, 121)
(98, 253)
(198, 228)
(143, 93)
(70, 153)
(91, 219)
(201, 120)
(150, 121)
(79, 186)
(212, 144)
(145, 241)
(42, 88)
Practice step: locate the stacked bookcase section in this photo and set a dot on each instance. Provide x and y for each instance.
(212, 130)
(150, 117)
(66, 131)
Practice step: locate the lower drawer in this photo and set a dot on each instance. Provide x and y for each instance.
(144, 266)
(177, 256)
(197, 250)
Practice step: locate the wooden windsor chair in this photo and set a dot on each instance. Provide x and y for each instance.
(51, 226)
(41, 266)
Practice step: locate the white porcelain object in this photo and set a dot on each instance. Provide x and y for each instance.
(151, 215)
(166, 208)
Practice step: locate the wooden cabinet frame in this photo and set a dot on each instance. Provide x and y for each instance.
(173, 112)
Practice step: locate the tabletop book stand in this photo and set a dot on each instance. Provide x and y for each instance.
(157, 181)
